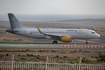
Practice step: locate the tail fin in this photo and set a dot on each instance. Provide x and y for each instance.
(14, 22)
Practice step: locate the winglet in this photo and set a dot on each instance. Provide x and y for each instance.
(39, 30)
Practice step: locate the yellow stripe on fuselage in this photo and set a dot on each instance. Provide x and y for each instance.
(79, 30)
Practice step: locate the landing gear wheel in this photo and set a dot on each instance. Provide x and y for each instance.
(86, 42)
(54, 42)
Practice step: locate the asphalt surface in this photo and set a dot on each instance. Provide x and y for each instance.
(47, 44)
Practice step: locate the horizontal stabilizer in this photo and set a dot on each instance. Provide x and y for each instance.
(11, 31)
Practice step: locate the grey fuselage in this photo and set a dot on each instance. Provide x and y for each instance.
(72, 33)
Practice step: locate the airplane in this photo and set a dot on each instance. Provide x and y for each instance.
(64, 35)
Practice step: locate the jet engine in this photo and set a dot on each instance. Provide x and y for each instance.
(66, 39)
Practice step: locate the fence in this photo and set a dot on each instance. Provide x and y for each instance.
(9, 65)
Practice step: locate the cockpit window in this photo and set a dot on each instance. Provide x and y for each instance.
(93, 32)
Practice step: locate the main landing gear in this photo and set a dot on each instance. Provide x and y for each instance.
(86, 42)
(55, 42)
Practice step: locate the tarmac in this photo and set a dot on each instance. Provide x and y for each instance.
(47, 44)
(30, 45)
(91, 47)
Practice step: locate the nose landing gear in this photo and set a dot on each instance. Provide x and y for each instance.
(55, 42)
(86, 42)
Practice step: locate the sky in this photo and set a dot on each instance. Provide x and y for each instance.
(75, 7)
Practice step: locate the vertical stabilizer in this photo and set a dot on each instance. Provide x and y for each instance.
(14, 22)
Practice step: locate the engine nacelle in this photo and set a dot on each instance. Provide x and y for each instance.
(66, 39)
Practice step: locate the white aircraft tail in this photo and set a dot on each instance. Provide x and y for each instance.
(14, 22)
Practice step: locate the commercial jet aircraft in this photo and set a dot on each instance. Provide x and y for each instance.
(64, 35)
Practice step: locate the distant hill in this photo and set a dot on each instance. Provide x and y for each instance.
(84, 20)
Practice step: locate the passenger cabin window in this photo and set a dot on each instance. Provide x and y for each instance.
(93, 32)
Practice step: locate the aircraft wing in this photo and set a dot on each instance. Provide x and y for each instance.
(50, 34)
(57, 35)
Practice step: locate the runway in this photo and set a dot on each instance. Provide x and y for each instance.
(47, 44)
(52, 46)
(30, 45)
(100, 41)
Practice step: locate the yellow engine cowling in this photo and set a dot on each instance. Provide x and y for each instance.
(66, 39)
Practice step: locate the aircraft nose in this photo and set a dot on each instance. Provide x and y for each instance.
(98, 36)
